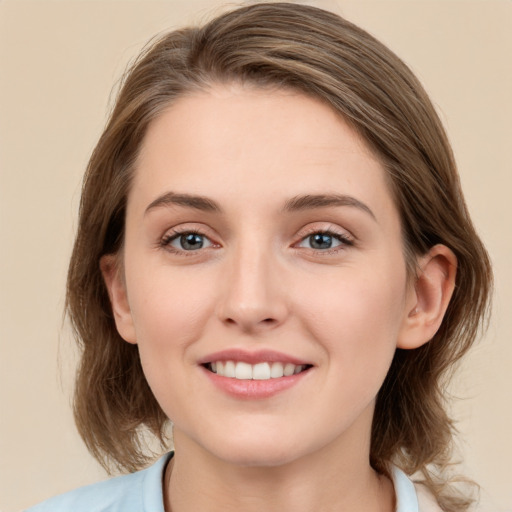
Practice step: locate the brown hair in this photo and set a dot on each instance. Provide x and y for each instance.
(324, 56)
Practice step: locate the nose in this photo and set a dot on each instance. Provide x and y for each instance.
(253, 299)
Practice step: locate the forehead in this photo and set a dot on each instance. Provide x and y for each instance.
(247, 141)
(257, 113)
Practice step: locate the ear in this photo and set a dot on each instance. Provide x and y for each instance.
(428, 297)
(114, 281)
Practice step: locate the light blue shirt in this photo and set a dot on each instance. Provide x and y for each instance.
(142, 492)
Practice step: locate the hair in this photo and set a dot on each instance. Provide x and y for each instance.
(306, 49)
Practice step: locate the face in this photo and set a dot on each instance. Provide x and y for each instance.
(264, 277)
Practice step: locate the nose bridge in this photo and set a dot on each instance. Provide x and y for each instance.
(253, 299)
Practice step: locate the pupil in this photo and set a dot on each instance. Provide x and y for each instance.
(191, 241)
(321, 241)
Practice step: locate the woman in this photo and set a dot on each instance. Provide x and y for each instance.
(274, 254)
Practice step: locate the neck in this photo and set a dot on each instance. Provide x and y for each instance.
(324, 480)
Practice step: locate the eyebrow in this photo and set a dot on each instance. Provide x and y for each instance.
(310, 201)
(297, 203)
(188, 200)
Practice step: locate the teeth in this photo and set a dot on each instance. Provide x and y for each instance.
(229, 369)
(276, 371)
(243, 371)
(289, 369)
(260, 371)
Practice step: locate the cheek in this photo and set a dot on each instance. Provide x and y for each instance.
(169, 315)
(359, 316)
(170, 311)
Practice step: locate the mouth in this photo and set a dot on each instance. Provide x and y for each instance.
(261, 371)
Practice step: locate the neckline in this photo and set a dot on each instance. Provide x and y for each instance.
(405, 492)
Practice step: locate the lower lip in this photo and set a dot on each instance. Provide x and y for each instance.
(254, 389)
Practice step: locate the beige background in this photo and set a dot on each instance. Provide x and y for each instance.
(58, 62)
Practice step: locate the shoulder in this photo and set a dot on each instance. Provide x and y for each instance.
(426, 501)
(136, 492)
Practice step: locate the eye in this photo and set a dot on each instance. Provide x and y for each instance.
(187, 241)
(324, 240)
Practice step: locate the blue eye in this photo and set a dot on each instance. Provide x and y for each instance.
(188, 241)
(322, 241)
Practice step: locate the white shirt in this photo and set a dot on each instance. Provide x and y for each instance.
(411, 497)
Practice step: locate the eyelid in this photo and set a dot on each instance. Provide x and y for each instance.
(345, 238)
(327, 228)
(171, 234)
(168, 240)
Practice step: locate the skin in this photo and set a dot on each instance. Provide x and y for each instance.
(259, 283)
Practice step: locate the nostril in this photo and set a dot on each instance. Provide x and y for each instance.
(254, 325)
(264, 321)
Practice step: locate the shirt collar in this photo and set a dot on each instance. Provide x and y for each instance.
(406, 498)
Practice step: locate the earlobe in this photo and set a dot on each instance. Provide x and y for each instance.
(116, 288)
(429, 297)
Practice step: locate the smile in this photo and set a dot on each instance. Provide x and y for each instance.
(260, 371)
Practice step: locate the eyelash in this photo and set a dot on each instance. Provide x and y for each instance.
(345, 241)
(176, 233)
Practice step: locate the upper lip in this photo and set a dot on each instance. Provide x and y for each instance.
(252, 357)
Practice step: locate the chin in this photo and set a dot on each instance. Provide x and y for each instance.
(260, 457)
(257, 451)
